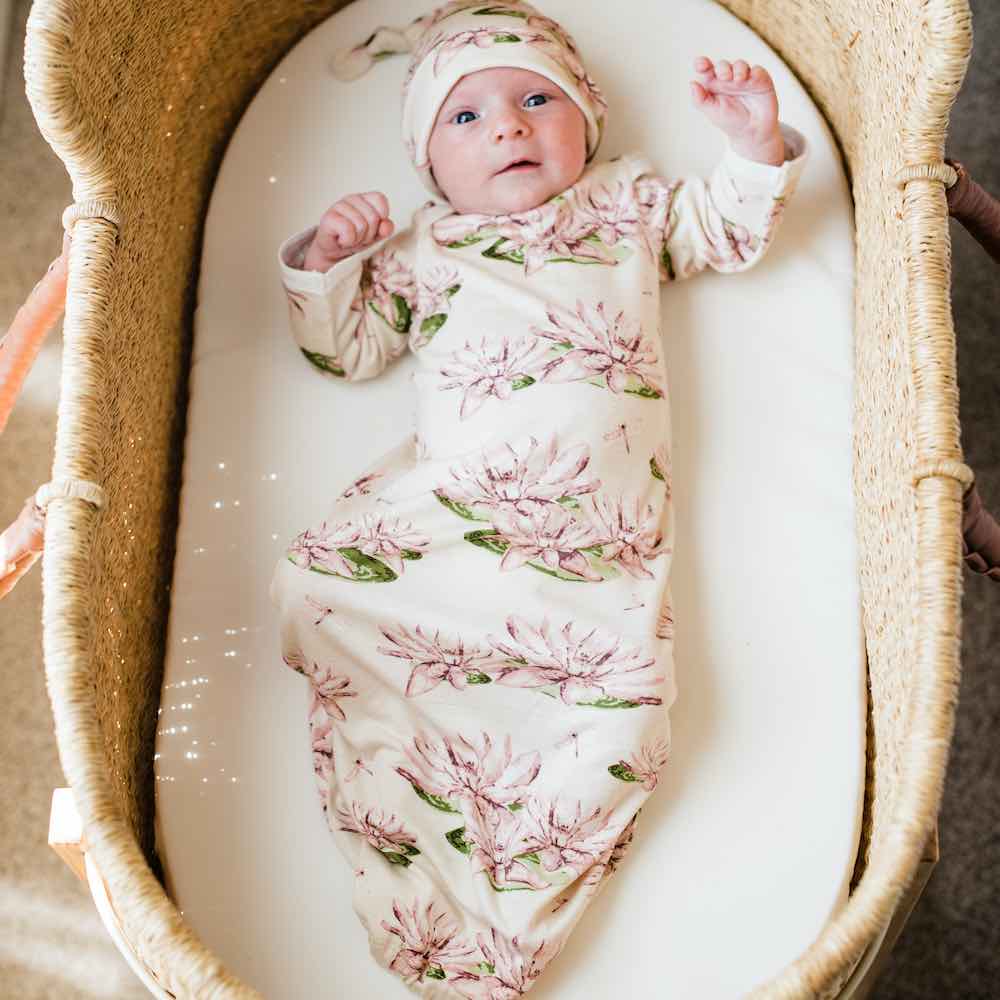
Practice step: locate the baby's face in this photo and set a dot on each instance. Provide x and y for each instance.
(494, 116)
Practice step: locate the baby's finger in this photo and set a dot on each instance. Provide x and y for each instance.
(740, 70)
(379, 202)
(358, 222)
(723, 70)
(368, 215)
(335, 231)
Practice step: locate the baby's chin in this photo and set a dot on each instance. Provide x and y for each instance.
(512, 199)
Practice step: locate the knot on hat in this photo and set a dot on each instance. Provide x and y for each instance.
(383, 42)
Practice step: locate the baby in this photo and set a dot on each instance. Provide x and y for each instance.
(486, 728)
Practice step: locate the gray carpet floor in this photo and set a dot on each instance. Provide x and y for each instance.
(52, 943)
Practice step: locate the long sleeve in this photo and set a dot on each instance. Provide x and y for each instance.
(354, 319)
(726, 223)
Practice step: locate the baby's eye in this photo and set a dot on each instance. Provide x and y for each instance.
(459, 115)
(533, 96)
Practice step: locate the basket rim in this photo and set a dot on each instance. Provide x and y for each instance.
(134, 890)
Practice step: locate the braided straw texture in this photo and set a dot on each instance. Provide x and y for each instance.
(139, 101)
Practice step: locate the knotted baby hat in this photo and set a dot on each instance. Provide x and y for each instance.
(465, 36)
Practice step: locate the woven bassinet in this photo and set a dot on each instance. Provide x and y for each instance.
(139, 101)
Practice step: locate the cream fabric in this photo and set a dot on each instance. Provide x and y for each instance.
(489, 719)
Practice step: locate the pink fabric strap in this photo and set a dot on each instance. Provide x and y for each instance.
(979, 213)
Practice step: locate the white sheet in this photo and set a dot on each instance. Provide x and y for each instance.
(748, 845)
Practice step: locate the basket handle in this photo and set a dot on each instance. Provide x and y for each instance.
(979, 213)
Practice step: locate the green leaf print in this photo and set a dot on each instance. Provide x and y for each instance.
(368, 570)
(434, 972)
(402, 324)
(514, 806)
(487, 967)
(453, 290)
(478, 678)
(655, 469)
(523, 382)
(466, 242)
(411, 554)
(635, 386)
(459, 508)
(396, 859)
(621, 772)
(324, 362)
(489, 539)
(432, 324)
(457, 840)
(494, 11)
(434, 800)
(570, 502)
(553, 692)
(506, 38)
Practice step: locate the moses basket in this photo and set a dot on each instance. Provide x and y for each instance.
(101, 76)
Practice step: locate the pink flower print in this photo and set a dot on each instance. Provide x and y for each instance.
(496, 838)
(297, 661)
(661, 465)
(433, 305)
(496, 369)
(327, 687)
(509, 480)
(627, 535)
(390, 287)
(654, 198)
(543, 23)
(379, 537)
(322, 750)
(361, 486)
(384, 833)
(387, 541)
(729, 245)
(430, 943)
(473, 771)
(433, 288)
(588, 665)
(665, 622)
(434, 661)
(514, 970)
(482, 38)
(567, 840)
(553, 230)
(610, 212)
(645, 765)
(611, 349)
(550, 534)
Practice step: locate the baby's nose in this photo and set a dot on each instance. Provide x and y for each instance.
(509, 125)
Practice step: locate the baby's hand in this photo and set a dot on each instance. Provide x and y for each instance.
(349, 225)
(742, 102)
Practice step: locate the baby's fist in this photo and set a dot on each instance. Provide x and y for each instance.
(349, 225)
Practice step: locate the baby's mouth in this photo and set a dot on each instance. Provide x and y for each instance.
(519, 165)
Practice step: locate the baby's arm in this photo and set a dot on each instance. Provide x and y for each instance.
(350, 287)
(728, 222)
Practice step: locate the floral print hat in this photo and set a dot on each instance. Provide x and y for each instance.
(465, 36)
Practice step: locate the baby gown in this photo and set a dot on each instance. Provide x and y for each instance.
(484, 615)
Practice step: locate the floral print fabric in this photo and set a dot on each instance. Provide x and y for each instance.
(487, 720)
